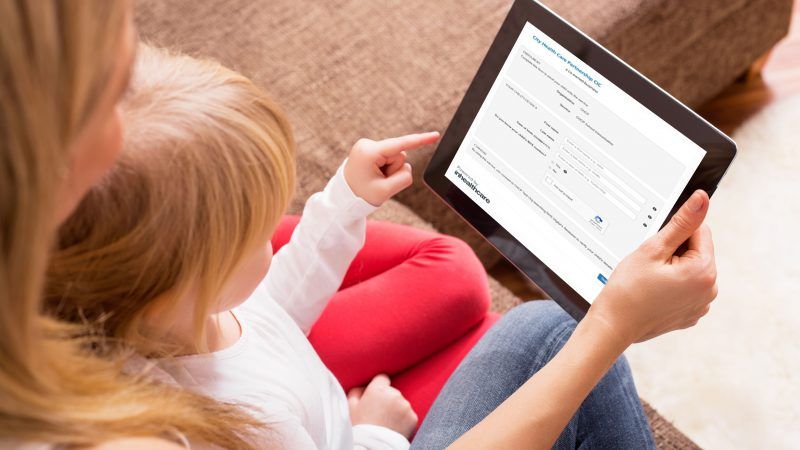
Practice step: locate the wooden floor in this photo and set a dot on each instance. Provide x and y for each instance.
(778, 78)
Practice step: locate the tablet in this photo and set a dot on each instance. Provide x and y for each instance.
(566, 159)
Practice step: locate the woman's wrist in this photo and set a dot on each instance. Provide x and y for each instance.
(606, 330)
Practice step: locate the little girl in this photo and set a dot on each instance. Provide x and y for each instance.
(168, 256)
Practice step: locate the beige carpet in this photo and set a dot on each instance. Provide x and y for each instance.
(734, 380)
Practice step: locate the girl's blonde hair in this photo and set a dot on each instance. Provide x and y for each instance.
(56, 57)
(206, 172)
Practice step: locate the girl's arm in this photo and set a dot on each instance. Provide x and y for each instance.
(652, 291)
(308, 270)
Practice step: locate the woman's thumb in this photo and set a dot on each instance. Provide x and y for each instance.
(683, 224)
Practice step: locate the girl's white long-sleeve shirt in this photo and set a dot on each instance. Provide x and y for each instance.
(273, 366)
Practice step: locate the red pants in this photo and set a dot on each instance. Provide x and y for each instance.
(412, 305)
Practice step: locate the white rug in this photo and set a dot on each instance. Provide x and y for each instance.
(733, 381)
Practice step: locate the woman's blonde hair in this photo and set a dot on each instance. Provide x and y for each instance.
(56, 57)
(206, 172)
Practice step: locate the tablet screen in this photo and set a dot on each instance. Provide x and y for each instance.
(572, 166)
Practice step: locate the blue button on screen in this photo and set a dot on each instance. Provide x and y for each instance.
(602, 279)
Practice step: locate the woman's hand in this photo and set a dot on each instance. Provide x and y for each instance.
(377, 170)
(381, 404)
(654, 290)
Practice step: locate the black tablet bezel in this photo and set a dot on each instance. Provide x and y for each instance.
(719, 147)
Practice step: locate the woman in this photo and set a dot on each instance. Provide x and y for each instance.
(64, 66)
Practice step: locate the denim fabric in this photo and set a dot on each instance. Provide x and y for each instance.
(520, 344)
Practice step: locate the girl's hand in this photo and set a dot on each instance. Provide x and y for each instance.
(381, 404)
(654, 290)
(377, 170)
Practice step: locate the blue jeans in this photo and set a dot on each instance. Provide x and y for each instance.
(520, 344)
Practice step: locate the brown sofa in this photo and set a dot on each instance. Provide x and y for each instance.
(343, 69)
